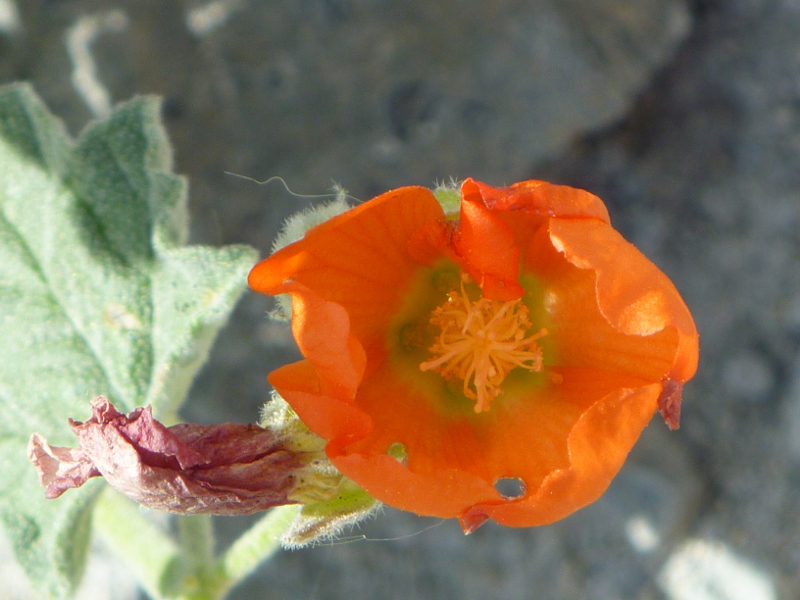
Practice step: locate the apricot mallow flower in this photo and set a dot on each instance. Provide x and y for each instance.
(492, 353)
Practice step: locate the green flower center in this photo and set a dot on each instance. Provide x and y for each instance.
(465, 352)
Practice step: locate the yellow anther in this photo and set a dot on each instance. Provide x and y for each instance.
(481, 342)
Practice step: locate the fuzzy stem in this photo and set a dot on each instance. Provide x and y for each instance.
(152, 555)
(186, 571)
(257, 544)
(202, 581)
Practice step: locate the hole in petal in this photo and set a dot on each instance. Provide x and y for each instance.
(510, 488)
(399, 452)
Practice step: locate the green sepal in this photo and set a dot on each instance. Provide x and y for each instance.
(449, 198)
(322, 521)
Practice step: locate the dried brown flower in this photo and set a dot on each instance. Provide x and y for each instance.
(227, 469)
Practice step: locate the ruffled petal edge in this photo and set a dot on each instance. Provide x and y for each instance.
(632, 293)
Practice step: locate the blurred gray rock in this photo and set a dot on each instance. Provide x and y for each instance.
(371, 93)
(712, 154)
(694, 143)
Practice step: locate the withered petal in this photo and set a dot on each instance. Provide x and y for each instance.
(669, 403)
(60, 469)
(227, 469)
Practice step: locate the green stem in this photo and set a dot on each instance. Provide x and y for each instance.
(256, 545)
(196, 534)
(202, 581)
(152, 555)
(186, 571)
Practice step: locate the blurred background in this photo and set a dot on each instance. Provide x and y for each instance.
(683, 115)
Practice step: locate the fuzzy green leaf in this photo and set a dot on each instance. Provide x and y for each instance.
(98, 295)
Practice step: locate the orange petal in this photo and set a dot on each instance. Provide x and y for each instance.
(445, 470)
(620, 343)
(424, 418)
(322, 331)
(526, 438)
(486, 245)
(598, 445)
(442, 494)
(453, 460)
(541, 198)
(579, 334)
(330, 418)
(358, 259)
(321, 388)
(632, 293)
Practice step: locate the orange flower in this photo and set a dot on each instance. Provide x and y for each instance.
(521, 339)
